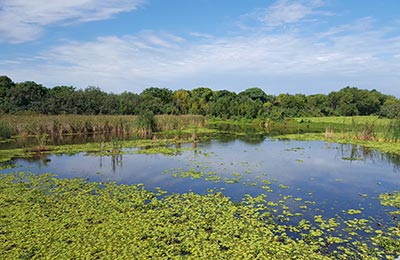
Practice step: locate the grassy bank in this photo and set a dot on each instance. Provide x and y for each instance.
(361, 127)
(45, 217)
(369, 131)
(381, 145)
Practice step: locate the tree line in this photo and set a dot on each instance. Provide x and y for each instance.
(251, 103)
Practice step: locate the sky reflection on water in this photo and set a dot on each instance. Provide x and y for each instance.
(336, 177)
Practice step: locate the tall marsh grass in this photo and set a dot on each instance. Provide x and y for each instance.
(365, 128)
(5, 130)
(60, 125)
(393, 130)
(146, 124)
(366, 131)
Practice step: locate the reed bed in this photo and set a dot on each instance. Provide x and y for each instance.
(364, 128)
(171, 122)
(393, 130)
(59, 125)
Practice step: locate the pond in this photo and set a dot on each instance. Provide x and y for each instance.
(308, 177)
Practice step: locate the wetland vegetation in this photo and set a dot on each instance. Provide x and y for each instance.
(198, 174)
(216, 204)
(46, 217)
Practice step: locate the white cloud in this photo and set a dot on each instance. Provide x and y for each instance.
(22, 20)
(152, 58)
(201, 35)
(363, 24)
(284, 12)
(287, 11)
(356, 54)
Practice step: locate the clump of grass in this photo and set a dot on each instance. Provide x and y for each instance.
(146, 124)
(5, 131)
(172, 122)
(42, 142)
(393, 130)
(368, 132)
(354, 127)
(329, 132)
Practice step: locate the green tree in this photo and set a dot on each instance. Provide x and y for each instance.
(93, 100)
(201, 101)
(111, 105)
(343, 102)
(391, 108)
(250, 103)
(368, 102)
(318, 105)
(6, 84)
(157, 100)
(256, 94)
(292, 105)
(225, 104)
(249, 108)
(129, 103)
(61, 100)
(28, 96)
(181, 99)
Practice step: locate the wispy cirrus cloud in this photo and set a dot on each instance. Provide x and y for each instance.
(283, 14)
(154, 58)
(22, 21)
(284, 11)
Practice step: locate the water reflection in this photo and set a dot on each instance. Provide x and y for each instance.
(29, 142)
(349, 152)
(394, 159)
(116, 161)
(353, 152)
(310, 177)
(328, 177)
(250, 131)
(39, 159)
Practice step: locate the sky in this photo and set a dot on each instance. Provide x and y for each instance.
(283, 46)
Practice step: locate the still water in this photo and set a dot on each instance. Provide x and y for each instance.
(317, 177)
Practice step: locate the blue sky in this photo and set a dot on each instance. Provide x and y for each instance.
(283, 46)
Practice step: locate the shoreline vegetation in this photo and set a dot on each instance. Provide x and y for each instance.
(57, 126)
(46, 131)
(350, 115)
(369, 131)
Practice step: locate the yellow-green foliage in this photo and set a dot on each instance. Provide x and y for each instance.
(384, 146)
(43, 217)
(391, 199)
(46, 218)
(346, 120)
